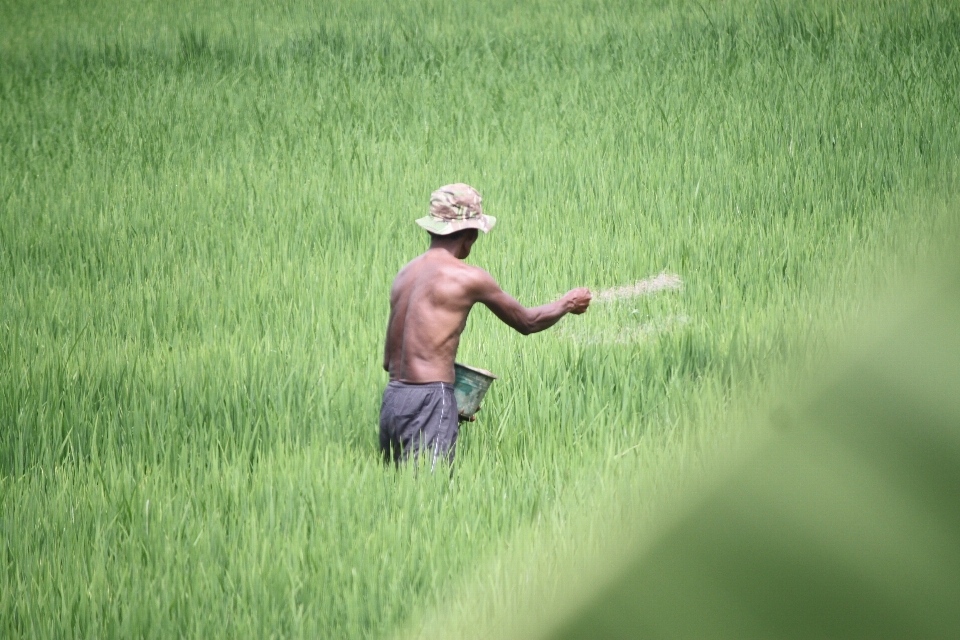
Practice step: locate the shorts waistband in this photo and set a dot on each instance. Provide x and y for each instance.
(419, 385)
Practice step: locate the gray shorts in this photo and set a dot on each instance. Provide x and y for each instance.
(416, 418)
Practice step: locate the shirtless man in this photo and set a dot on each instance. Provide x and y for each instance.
(429, 303)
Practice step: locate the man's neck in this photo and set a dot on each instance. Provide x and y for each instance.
(451, 245)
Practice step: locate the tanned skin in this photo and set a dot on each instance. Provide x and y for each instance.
(431, 298)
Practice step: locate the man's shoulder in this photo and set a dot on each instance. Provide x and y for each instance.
(440, 271)
(469, 274)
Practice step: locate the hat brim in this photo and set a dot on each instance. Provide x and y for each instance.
(446, 227)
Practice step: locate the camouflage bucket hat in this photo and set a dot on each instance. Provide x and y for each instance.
(455, 207)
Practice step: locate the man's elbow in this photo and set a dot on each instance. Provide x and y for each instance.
(526, 327)
(522, 324)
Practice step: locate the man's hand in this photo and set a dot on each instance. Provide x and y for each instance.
(463, 418)
(578, 300)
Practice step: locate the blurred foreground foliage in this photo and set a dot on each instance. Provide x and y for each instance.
(845, 522)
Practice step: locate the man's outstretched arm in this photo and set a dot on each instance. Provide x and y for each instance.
(534, 319)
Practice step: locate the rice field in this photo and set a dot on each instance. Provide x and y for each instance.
(202, 207)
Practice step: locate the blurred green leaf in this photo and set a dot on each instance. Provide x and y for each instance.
(845, 523)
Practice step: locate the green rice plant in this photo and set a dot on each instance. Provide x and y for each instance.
(841, 521)
(202, 208)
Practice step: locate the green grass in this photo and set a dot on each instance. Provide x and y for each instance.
(202, 208)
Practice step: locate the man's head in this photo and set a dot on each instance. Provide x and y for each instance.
(453, 208)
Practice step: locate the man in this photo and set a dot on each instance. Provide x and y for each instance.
(429, 303)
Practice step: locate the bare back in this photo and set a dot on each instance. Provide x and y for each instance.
(429, 303)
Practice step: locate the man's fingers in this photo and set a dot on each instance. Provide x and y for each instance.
(581, 300)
